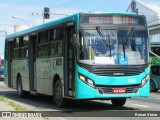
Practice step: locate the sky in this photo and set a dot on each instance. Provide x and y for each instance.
(31, 11)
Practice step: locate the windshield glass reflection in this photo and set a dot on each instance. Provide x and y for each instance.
(125, 47)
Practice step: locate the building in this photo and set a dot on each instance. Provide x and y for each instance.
(152, 12)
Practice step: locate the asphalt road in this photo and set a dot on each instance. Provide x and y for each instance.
(78, 109)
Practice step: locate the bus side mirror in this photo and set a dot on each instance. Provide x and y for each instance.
(75, 40)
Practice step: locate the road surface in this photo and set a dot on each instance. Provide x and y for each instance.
(79, 109)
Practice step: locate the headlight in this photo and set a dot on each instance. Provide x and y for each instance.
(90, 82)
(144, 81)
(86, 80)
(82, 78)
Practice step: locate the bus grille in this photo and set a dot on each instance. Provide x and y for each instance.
(116, 72)
(109, 90)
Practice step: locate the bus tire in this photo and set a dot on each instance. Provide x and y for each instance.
(152, 86)
(58, 97)
(20, 88)
(118, 101)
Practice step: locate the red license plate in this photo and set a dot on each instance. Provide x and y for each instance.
(119, 90)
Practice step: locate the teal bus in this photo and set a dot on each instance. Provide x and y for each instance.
(85, 56)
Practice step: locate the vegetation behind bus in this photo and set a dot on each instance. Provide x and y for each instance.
(154, 60)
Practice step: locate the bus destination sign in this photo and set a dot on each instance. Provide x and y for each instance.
(99, 19)
(112, 19)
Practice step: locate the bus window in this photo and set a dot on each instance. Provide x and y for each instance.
(43, 44)
(43, 37)
(24, 48)
(17, 43)
(6, 50)
(56, 48)
(16, 48)
(57, 33)
(56, 42)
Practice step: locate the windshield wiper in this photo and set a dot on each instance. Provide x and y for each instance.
(130, 34)
(99, 30)
(123, 47)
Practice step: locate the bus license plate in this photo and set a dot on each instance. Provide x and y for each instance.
(119, 90)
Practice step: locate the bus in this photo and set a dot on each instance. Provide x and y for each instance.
(155, 69)
(155, 78)
(85, 56)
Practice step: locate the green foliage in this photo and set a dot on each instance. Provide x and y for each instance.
(2, 98)
(154, 60)
(13, 104)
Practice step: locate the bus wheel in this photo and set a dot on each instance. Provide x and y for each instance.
(118, 101)
(152, 86)
(19, 88)
(58, 97)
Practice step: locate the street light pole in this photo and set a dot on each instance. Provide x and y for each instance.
(21, 20)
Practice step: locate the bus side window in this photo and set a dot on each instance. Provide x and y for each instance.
(24, 47)
(6, 50)
(56, 41)
(43, 44)
(16, 48)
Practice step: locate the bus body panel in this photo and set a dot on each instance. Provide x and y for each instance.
(156, 80)
(6, 73)
(155, 74)
(42, 74)
(46, 69)
(85, 91)
(108, 80)
(23, 71)
(74, 18)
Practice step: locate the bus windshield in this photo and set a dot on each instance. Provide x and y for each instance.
(126, 47)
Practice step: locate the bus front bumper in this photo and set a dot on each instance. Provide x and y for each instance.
(85, 91)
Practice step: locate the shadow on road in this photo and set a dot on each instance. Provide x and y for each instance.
(44, 103)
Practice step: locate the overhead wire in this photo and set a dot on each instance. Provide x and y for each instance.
(66, 4)
(70, 5)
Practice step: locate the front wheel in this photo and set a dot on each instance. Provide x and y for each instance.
(58, 97)
(118, 101)
(153, 86)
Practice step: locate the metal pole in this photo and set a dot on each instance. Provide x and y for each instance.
(21, 20)
(154, 54)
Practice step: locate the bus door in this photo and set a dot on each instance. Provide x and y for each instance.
(32, 60)
(69, 63)
(10, 58)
